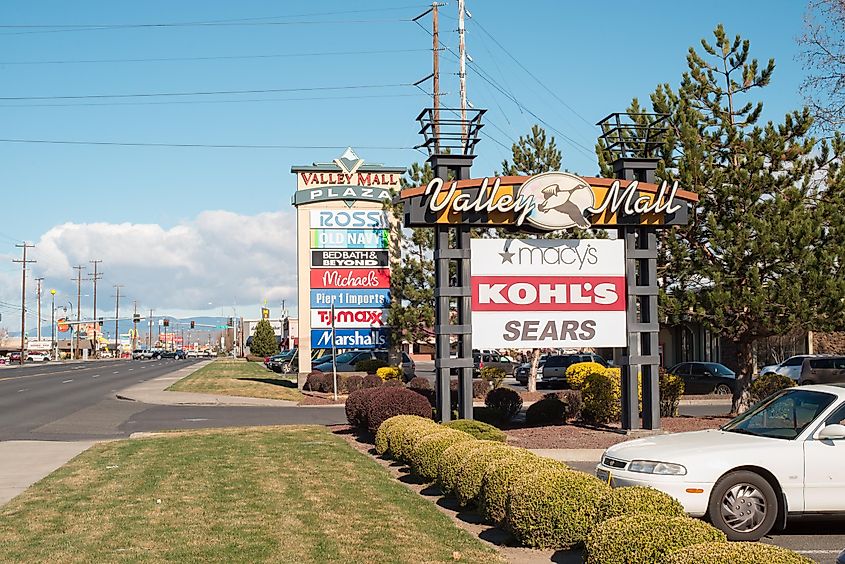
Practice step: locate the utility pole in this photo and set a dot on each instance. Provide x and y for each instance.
(79, 270)
(435, 78)
(38, 281)
(150, 336)
(134, 326)
(24, 246)
(117, 288)
(462, 72)
(96, 276)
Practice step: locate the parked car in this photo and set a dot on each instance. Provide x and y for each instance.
(207, 354)
(14, 356)
(553, 371)
(823, 370)
(33, 356)
(277, 362)
(781, 458)
(178, 354)
(705, 377)
(192, 354)
(494, 360)
(142, 354)
(346, 362)
(790, 367)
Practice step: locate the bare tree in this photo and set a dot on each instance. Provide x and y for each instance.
(823, 53)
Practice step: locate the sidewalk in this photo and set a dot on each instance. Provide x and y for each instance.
(22, 463)
(153, 392)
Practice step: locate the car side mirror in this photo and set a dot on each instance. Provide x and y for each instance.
(832, 432)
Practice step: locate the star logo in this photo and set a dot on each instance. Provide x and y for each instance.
(507, 257)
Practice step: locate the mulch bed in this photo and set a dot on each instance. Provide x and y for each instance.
(320, 398)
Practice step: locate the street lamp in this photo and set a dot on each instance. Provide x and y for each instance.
(53, 324)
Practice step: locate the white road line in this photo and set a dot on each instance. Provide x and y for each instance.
(95, 376)
(23, 390)
(66, 381)
(116, 372)
(131, 369)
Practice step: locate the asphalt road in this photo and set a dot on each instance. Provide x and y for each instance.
(76, 401)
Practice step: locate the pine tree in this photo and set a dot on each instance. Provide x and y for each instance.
(762, 253)
(264, 340)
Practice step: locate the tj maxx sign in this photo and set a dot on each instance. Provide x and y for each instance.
(546, 202)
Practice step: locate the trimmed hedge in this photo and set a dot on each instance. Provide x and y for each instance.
(602, 393)
(371, 381)
(507, 401)
(733, 552)
(419, 383)
(356, 408)
(576, 374)
(645, 539)
(490, 415)
(478, 429)
(449, 467)
(547, 411)
(671, 390)
(498, 478)
(388, 373)
(403, 439)
(426, 453)
(354, 383)
(468, 484)
(572, 399)
(388, 401)
(383, 445)
(555, 508)
(638, 499)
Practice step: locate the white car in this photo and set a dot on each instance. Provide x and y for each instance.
(37, 357)
(783, 457)
(790, 367)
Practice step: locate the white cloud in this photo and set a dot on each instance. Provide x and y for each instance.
(219, 257)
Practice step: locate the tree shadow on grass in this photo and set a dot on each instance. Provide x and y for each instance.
(272, 381)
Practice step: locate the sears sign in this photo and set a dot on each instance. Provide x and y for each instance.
(537, 293)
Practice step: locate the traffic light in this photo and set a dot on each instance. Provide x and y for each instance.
(193, 324)
(167, 323)
(136, 318)
(100, 321)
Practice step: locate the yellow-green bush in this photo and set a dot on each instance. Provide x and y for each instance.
(468, 485)
(499, 476)
(671, 389)
(453, 458)
(576, 374)
(554, 508)
(645, 539)
(426, 453)
(402, 438)
(387, 373)
(733, 552)
(638, 499)
(602, 395)
(382, 435)
(478, 429)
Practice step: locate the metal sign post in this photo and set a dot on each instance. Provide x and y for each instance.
(334, 358)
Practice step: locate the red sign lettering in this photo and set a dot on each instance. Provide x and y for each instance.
(350, 278)
(548, 293)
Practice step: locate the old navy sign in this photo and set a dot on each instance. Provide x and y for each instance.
(350, 259)
(351, 338)
(548, 293)
(349, 238)
(324, 298)
(547, 202)
(348, 318)
(350, 278)
(349, 219)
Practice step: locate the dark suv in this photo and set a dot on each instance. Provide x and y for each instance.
(554, 369)
(823, 370)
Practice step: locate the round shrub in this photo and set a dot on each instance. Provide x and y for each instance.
(732, 552)
(498, 478)
(354, 383)
(576, 374)
(572, 399)
(399, 421)
(468, 485)
(478, 429)
(480, 389)
(494, 375)
(671, 390)
(767, 384)
(387, 402)
(638, 499)
(315, 381)
(390, 373)
(453, 458)
(403, 439)
(429, 394)
(371, 381)
(554, 508)
(490, 415)
(356, 408)
(547, 411)
(641, 538)
(506, 400)
(419, 383)
(602, 395)
(393, 384)
(426, 453)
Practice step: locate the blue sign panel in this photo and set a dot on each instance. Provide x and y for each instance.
(365, 299)
(351, 338)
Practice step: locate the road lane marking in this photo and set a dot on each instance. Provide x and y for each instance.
(66, 381)
(22, 390)
(116, 372)
(95, 376)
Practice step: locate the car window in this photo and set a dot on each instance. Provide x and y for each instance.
(680, 369)
(794, 361)
(405, 357)
(782, 416)
(346, 357)
(821, 363)
(839, 363)
(553, 361)
(382, 356)
(837, 417)
(698, 370)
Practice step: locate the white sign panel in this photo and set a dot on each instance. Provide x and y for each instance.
(546, 293)
(349, 219)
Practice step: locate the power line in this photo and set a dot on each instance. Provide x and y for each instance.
(199, 145)
(212, 57)
(209, 92)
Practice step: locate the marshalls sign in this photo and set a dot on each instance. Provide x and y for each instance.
(534, 293)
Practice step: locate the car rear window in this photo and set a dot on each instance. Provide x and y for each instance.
(821, 363)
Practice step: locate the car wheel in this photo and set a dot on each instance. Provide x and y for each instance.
(743, 505)
(806, 383)
(723, 390)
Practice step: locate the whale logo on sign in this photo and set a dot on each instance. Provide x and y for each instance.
(560, 200)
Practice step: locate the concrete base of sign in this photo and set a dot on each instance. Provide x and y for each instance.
(640, 433)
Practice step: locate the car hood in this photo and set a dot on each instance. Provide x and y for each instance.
(679, 447)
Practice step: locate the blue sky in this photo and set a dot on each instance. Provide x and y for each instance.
(595, 56)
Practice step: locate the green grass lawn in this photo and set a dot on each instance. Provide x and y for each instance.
(278, 494)
(239, 378)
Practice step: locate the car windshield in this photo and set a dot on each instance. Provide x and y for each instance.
(782, 416)
(720, 369)
(347, 356)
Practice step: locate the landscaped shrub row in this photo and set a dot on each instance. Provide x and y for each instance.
(545, 504)
(369, 407)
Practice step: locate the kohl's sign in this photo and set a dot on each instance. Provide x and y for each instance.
(548, 293)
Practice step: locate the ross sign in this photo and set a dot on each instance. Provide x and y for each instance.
(349, 219)
(350, 258)
(349, 238)
(350, 299)
(549, 201)
(534, 293)
(350, 338)
(348, 318)
(350, 278)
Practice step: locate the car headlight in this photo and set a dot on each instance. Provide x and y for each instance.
(652, 467)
